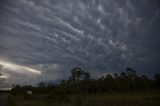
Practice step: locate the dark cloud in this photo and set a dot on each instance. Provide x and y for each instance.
(102, 36)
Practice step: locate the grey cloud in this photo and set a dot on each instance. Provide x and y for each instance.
(102, 36)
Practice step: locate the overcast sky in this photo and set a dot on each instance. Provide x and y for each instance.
(41, 40)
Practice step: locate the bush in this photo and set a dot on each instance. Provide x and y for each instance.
(58, 97)
(28, 97)
(79, 100)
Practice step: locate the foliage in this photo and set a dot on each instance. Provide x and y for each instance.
(147, 98)
(79, 82)
(157, 80)
(80, 90)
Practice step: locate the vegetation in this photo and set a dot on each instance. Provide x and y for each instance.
(145, 98)
(124, 89)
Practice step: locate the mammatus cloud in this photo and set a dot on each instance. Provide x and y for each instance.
(101, 36)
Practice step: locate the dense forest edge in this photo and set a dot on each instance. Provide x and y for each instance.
(81, 89)
(79, 82)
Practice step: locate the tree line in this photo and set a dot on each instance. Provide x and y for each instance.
(80, 82)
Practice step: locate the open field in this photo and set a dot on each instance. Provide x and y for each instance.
(147, 98)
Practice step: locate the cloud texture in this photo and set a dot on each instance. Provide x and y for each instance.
(102, 36)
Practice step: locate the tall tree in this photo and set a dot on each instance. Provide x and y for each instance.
(41, 84)
(157, 79)
(131, 73)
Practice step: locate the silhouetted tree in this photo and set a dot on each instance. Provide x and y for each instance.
(78, 79)
(109, 83)
(41, 84)
(86, 75)
(115, 75)
(79, 82)
(131, 73)
(76, 74)
(157, 80)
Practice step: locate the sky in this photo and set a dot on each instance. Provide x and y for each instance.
(42, 40)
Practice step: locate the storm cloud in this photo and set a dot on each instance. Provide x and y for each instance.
(101, 36)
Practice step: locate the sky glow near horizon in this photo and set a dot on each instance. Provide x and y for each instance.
(18, 68)
(41, 40)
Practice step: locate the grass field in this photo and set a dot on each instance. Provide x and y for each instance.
(147, 98)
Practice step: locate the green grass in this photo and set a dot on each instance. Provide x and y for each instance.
(147, 98)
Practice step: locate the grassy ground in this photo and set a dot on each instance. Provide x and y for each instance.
(147, 98)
